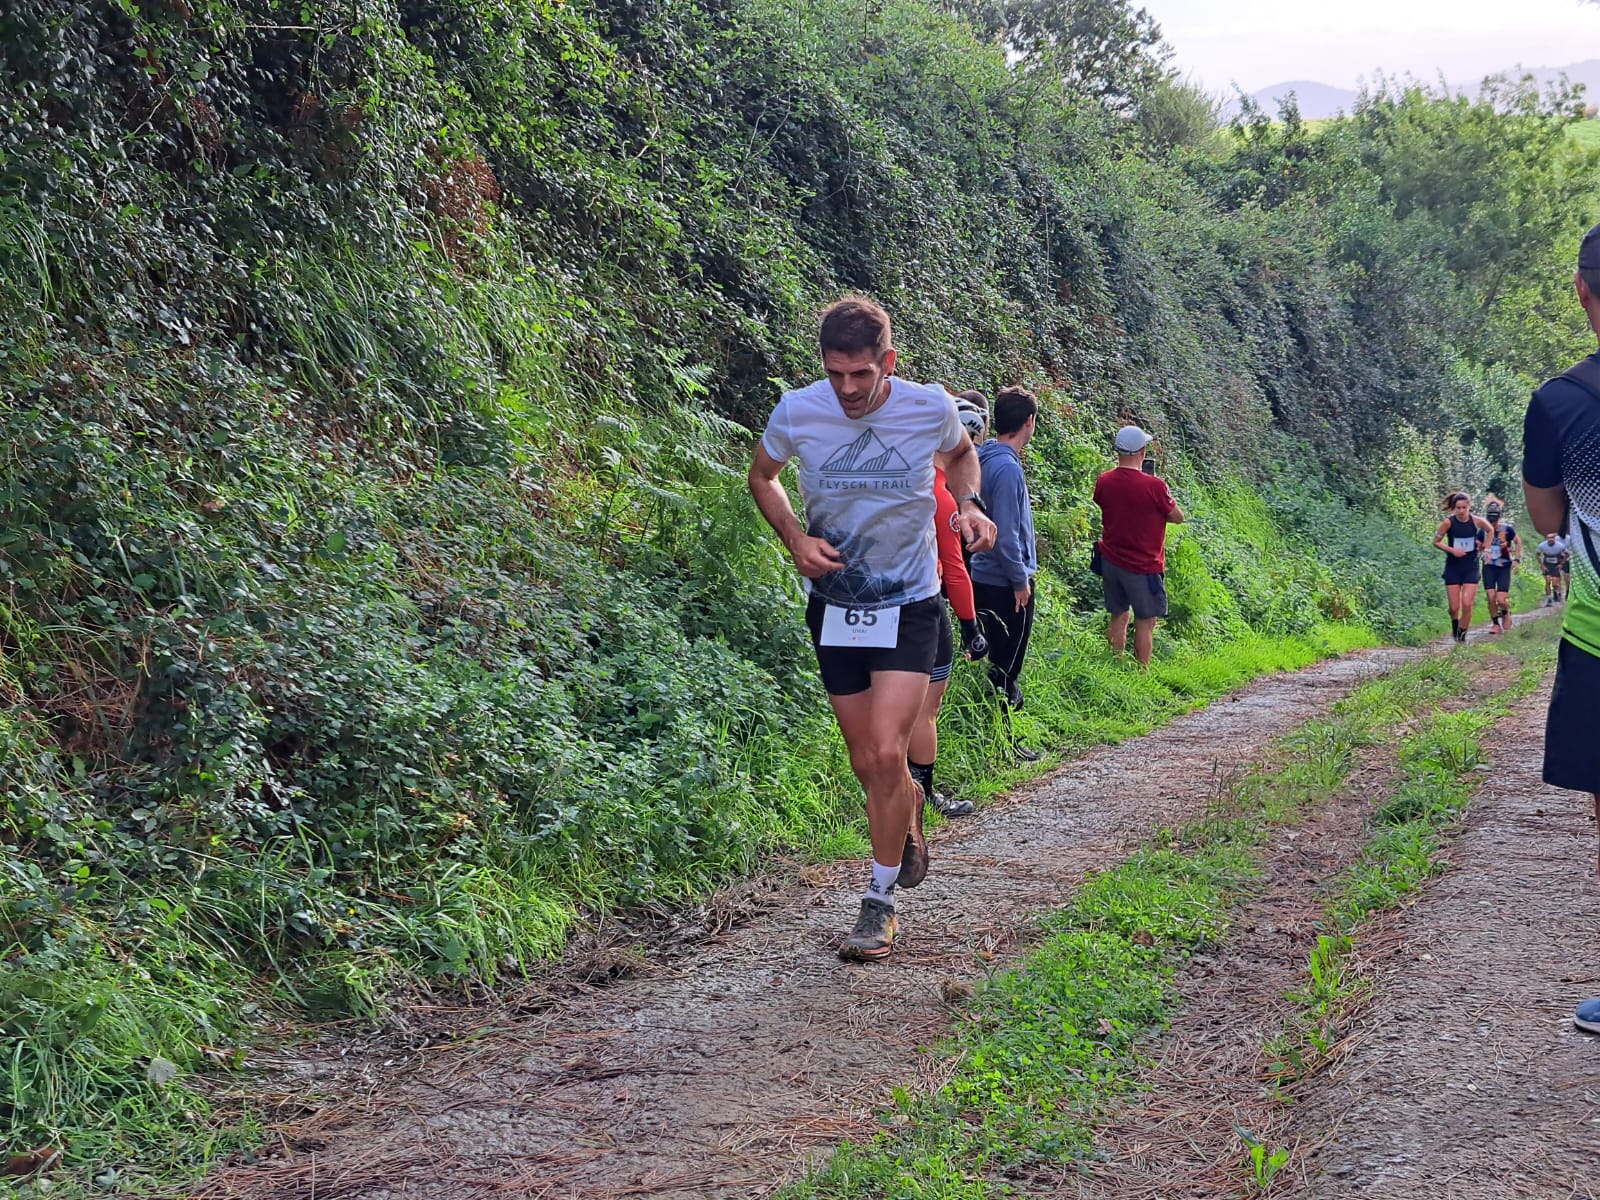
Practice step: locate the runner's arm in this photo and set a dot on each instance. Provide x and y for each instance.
(952, 565)
(1543, 486)
(962, 473)
(1438, 538)
(1547, 506)
(813, 557)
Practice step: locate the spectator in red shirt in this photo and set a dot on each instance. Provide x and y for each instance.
(1135, 510)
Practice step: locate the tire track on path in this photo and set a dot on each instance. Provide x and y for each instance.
(1469, 1079)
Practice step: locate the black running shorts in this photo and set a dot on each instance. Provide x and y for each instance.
(945, 662)
(1461, 570)
(847, 670)
(1571, 750)
(1554, 570)
(1497, 578)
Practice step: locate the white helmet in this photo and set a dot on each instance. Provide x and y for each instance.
(973, 418)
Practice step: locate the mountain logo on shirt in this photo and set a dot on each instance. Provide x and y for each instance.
(866, 455)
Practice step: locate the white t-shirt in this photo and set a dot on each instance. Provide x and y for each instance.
(868, 486)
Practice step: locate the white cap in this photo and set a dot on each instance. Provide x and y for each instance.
(1131, 439)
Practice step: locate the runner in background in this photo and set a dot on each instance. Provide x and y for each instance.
(1461, 536)
(1501, 553)
(957, 584)
(1552, 555)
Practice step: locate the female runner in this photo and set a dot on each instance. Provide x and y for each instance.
(1502, 552)
(1461, 536)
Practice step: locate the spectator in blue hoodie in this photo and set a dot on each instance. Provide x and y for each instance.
(1002, 578)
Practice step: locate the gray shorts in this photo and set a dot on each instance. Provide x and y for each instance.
(1145, 594)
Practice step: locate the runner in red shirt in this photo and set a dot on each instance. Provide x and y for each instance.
(1135, 510)
(924, 748)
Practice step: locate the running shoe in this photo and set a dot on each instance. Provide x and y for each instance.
(873, 936)
(1024, 753)
(947, 807)
(1588, 1015)
(914, 858)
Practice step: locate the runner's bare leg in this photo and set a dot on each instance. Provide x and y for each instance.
(924, 747)
(877, 726)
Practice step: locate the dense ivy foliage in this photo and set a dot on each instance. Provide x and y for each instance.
(377, 588)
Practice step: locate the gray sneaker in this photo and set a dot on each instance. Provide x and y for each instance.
(947, 807)
(873, 936)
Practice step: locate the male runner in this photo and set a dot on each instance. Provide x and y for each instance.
(1561, 478)
(866, 444)
(1552, 554)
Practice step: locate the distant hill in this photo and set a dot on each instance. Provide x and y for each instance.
(1314, 99)
(1319, 100)
(1586, 73)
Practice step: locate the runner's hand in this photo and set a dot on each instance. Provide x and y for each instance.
(973, 644)
(977, 531)
(814, 557)
(1022, 595)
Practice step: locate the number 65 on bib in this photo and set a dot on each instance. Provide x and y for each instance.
(867, 628)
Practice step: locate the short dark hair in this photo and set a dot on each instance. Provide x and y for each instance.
(854, 324)
(1591, 280)
(976, 397)
(1012, 408)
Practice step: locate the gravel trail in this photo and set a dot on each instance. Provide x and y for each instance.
(726, 1073)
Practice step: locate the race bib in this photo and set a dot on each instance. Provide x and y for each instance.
(1464, 543)
(867, 628)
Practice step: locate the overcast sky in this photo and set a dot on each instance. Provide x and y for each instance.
(1258, 42)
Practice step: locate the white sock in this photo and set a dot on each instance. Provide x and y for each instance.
(882, 885)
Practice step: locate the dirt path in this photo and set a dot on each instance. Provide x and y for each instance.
(1464, 1077)
(1180, 1138)
(721, 1078)
(1468, 1078)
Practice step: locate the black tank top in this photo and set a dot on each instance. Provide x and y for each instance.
(1462, 534)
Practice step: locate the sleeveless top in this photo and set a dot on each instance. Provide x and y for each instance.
(1500, 539)
(1463, 535)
